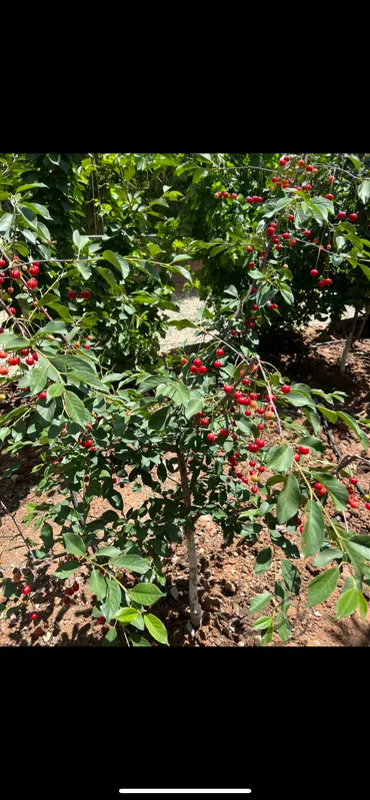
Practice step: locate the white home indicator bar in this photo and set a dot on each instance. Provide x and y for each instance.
(185, 791)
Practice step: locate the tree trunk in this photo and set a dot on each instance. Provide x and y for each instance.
(347, 346)
(362, 324)
(195, 610)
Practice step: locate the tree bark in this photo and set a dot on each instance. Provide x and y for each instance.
(347, 346)
(195, 609)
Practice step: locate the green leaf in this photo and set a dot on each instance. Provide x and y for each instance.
(287, 295)
(347, 603)
(263, 560)
(146, 594)
(157, 420)
(84, 269)
(126, 615)
(38, 379)
(109, 551)
(243, 425)
(291, 576)
(65, 571)
(282, 627)
(79, 241)
(74, 544)
(10, 342)
(314, 529)
(26, 186)
(259, 602)
(75, 408)
(313, 443)
(355, 161)
(280, 458)
(181, 395)
(194, 406)
(180, 324)
(288, 501)
(113, 600)
(365, 270)
(156, 628)
(120, 263)
(5, 222)
(353, 424)
(55, 390)
(139, 641)
(322, 587)
(262, 623)
(358, 546)
(337, 491)
(364, 190)
(327, 555)
(362, 605)
(108, 276)
(133, 563)
(267, 636)
(298, 399)
(98, 584)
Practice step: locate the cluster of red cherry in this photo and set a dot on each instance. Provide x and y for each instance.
(14, 360)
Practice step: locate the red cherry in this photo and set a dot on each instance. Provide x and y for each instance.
(282, 162)
(307, 234)
(341, 215)
(309, 168)
(352, 217)
(72, 294)
(197, 362)
(331, 178)
(234, 333)
(251, 264)
(321, 284)
(85, 294)
(66, 599)
(314, 273)
(327, 281)
(13, 361)
(211, 437)
(184, 361)
(367, 506)
(87, 346)
(12, 310)
(33, 615)
(194, 370)
(303, 450)
(285, 235)
(100, 619)
(301, 162)
(217, 364)
(318, 486)
(234, 196)
(286, 159)
(220, 352)
(274, 179)
(15, 273)
(30, 361)
(227, 388)
(204, 421)
(32, 283)
(2, 263)
(25, 351)
(292, 242)
(226, 194)
(306, 187)
(261, 468)
(285, 389)
(260, 426)
(42, 395)
(247, 412)
(223, 432)
(249, 249)
(297, 457)
(203, 370)
(34, 269)
(329, 196)
(26, 589)
(353, 481)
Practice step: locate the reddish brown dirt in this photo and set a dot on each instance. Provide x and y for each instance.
(227, 580)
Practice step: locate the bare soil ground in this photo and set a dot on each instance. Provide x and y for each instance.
(227, 580)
